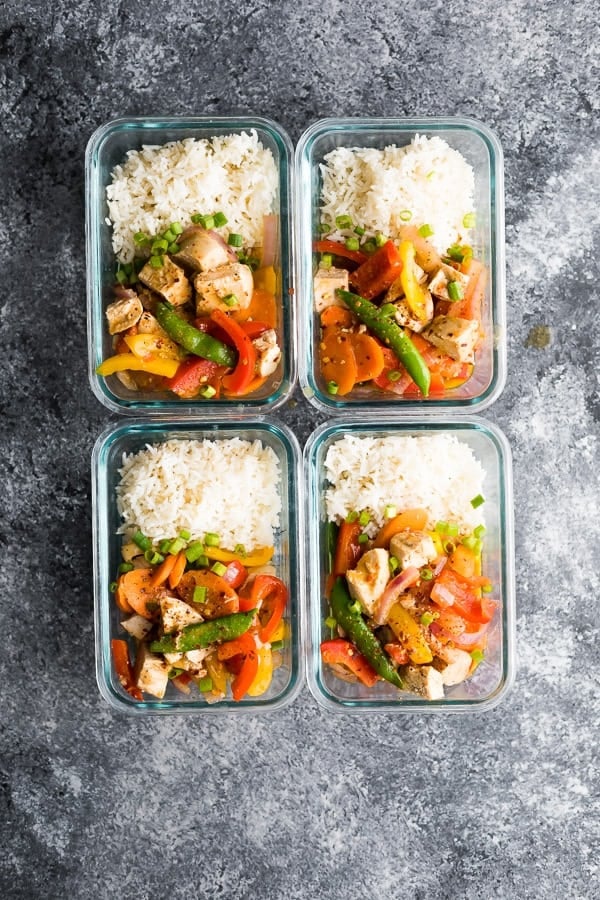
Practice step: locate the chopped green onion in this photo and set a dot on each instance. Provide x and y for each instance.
(425, 231)
(477, 501)
(205, 684)
(176, 228)
(140, 238)
(441, 527)
(200, 592)
(173, 247)
(133, 279)
(470, 542)
(393, 564)
(351, 517)
(230, 300)
(174, 672)
(277, 645)
(388, 309)
(218, 568)
(359, 230)
(452, 529)
(487, 588)
(469, 220)
(332, 387)
(143, 542)
(479, 531)
(426, 573)
(322, 228)
(390, 511)
(370, 246)
(426, 618)
(405, 215)
(156, 262)
(113, 586)
(203, 562)
(185, 534)
(355, 607)
(364, 518)
(159, 244)
(235, 240)
(330, 622)
(207, 222)
(153, 557)
(476, 656)
(211, 539)
(326, 260)
(352, 243)
(455, 291)
(208, 392)
(343, 222)
(194, 551)
(477, 547)
(240, 550)
(363, 538)
(459, 253)
(125, 567)
(380, 239)
(164, 545)
(197, 218)
(394, 375)
(253, 262)
(175, 546)
(121, 276)
(128, 268)
(169, 236)
(219, 219)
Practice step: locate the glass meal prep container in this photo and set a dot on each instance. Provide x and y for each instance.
(491, 680)
(481, 149)
(133, 436)
(107, 148)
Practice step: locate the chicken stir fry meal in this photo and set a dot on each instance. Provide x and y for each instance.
(409, 605)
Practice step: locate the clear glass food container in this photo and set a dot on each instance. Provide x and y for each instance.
(494, 675)
(107, 148)
(131, 437)
(482, 150)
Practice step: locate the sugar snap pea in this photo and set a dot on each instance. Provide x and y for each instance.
(203, 634)
(192, 339)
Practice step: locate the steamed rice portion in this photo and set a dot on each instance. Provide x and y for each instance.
(227, 487)
(426, 182)
(233, 174)
(437, 473)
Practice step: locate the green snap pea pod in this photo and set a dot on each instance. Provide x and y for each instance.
(202, 634)
(192, 339)
(392, 336)
(360, 634)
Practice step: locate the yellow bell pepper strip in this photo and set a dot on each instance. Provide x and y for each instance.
(257, 557)
(217, 672)
(264, 673)
(280, 633)
(145, 345)
(123, 362)
(415, 295)
(409, 634)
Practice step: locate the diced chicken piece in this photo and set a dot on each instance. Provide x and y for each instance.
(453, 663)
(123, 314)
(167, 280)
(137, 626)
(196, 657)
(368, 580)
(406, 318)
(233, 283)
(151, 672)
(174, 659)
(425, 681)
(439, 283)
(268, 353)
(203, 251)
(192, 661)
(326, 283)
(413, 548)
(176, 614)
(455, 337)
(130, 550)
(148, 324)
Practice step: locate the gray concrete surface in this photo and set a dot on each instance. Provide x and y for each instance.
(298, 805)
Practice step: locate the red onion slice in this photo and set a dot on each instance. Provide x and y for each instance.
(395, 587)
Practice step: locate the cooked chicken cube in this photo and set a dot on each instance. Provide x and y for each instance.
(167, 280)
(424, 680)
(268, 353)
(455, 337)
(151, 672)
(453, 664)
(439, 283)
(203, 251)
(176, 614)
(148, 324)
(406, 318)
(227, 288)
(137, 626)
(326, 283)
(413, 548)
(123, 314)
(368, 580)
(174, 659)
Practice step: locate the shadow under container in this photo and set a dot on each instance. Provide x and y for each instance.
(493, 677)
(482, 150)
(107, 458)
(107, 148)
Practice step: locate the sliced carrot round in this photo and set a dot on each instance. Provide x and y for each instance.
(370, 361)
(338, 362)
(140, 593)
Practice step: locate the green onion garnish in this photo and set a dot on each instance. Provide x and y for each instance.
(351, 517)
(441, 527)
(113, 586)
(208, 392)
(153, 557)
(174, 672)
(219, 219)
(469, 220)
(393, 564)
(322, 228)
(206, 222)
(363, 538)
(176, 228)
(174, 247)
(185, 534)
(394, 375)
(359, 230)
(230, 300)
(175, 546)
(476, 655)
(370, 246)
(277, 645)
(343, 222)
(405, 215)
(235, 240)
(426, 618)
(205, 684)
(156, 262)
(143, 542)
(426, 573)
(364, 518)
(477, 501)
(159, 244)
(125, 567)
(218, 568)
(487, 588)
(454, 291)
(452, 529)
(140, 238)
(169, 236)
(211, 539)
(470, 542)
(194, 551)
(390, 511)
(355, 607)
(380, 239)
(332, 387)
(326, 260)
(352, 243)
(121, 276)
(164, 545)
(200, 592)
(203, 562)
(196, 218)
(479, 531)
(425, 231)
(330, 622)
(240, 550)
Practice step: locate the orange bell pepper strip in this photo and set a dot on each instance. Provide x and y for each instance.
(409, 520)
(270, 595)
(242, 375)
(177, 571)
(163, 571)
(339, 652)
(123, 667)
(347, 548)
(378, 273)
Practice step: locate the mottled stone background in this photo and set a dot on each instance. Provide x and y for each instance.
(299, 805)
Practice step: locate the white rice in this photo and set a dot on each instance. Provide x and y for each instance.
(227, 487)
(428, 182)
(434, 472)
(233, 174)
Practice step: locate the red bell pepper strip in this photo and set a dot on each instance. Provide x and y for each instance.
(397, 653)
(123, 668)
(254, 329)
(238, 647)
(243, 680)
(452, 589)
(378, 273)
(191, 375)
(270, 595)
(235, 575)
(243, 373)
(339, 652)
(243, 658)
(347, 548)
(338, 249)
